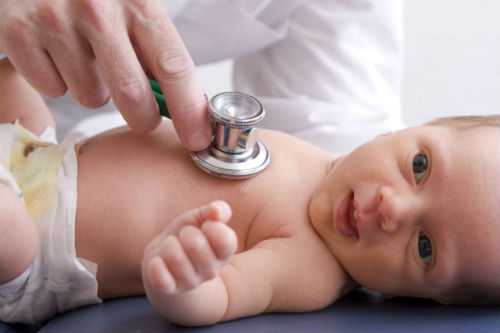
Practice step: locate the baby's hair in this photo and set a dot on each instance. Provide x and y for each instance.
(467, 122)
(472, 294)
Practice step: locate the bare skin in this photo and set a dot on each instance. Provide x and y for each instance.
(147, 216)
(394, 215)
(102, 49)
(130, 187)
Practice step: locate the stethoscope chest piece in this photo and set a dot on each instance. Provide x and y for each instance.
(235, 152)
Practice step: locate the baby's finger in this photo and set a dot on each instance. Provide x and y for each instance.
(159, 277)
(222, 239)
(215, 211)
(178, 263)
(199, 251)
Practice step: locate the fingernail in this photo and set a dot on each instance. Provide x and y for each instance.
(224, 210)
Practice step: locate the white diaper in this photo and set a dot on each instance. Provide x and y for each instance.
(57, 280)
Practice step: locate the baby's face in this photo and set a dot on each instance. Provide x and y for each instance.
(416, 212)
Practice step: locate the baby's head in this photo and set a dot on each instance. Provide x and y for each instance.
(417, 212)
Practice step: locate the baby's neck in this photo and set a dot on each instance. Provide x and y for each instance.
(313, 207)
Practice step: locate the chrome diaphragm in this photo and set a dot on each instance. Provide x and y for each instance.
(235, 152)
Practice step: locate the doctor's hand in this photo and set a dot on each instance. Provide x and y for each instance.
(98, 49)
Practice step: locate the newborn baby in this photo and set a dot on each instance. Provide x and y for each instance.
(396, 215)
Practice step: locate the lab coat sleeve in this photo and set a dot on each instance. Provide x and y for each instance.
(334, 78)
(214, 30)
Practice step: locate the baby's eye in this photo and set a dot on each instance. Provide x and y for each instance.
(420, 167)
(424, 248)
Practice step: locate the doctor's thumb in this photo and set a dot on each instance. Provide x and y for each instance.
(192, 124)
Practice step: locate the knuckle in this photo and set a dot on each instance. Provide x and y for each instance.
(174, 65)
(170, 250)
(50, 18)
(96, 101)
(130, 90)
(145, 12)
(209, 271)
(189, 283)
(210, 274)
(58, 92)
(92, 99)
(194, 245)
(95, 12)
(55, 88)
(15, 31)
(173, 259)
(192, 240)
(140, 6)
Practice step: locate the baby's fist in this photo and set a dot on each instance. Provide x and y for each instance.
(191, 250)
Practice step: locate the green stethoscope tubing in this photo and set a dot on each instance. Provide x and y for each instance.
(160, 99)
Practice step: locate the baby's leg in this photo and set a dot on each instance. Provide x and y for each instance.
(18, 236)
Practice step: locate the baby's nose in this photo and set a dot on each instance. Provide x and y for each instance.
(394, 208)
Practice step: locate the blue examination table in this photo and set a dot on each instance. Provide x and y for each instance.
(357, 312)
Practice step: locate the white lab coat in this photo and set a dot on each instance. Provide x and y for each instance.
(328, 71)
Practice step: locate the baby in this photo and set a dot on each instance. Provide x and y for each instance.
(411, 213)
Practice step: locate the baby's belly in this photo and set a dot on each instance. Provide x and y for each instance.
(129, 188)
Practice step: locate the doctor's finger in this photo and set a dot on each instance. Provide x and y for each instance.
(76, 64)
(167, 58)
(21, 43)
(123, 75)
(34, 63)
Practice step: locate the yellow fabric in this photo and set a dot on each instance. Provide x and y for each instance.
(35, 165)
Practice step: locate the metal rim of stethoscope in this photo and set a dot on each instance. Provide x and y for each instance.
(258, 161)
(234, 110)
(218, 110)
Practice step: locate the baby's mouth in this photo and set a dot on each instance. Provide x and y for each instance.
(345, 217)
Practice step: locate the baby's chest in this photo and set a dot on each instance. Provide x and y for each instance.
(273, 204)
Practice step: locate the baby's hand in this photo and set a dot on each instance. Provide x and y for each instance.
(191, 249)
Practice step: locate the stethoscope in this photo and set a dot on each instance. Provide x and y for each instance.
(235, 152)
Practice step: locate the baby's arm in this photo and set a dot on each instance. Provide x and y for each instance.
(279, 274)
(18, 235)
(20, 101)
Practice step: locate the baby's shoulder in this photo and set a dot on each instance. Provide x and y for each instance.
(280, 218)
(284, 188)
